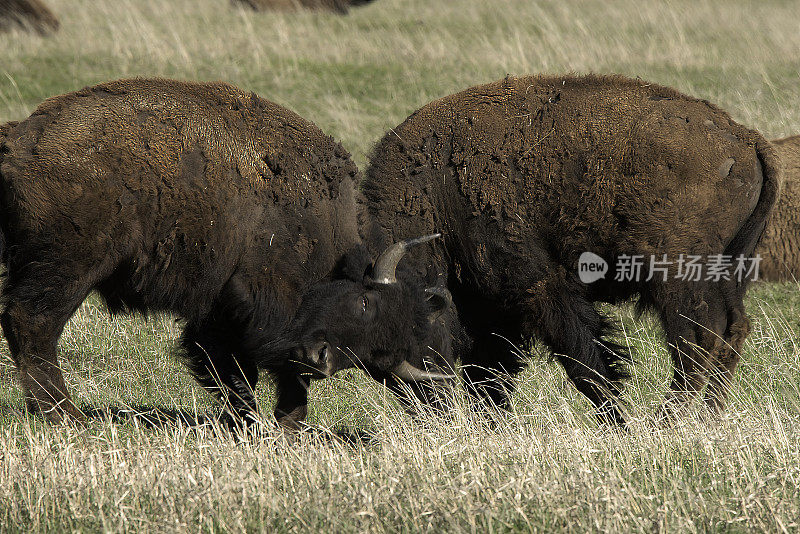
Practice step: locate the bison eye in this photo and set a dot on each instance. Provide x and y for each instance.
(364, 303)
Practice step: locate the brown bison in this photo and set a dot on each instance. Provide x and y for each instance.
(780, 247)
(526, 176)
(337, 6)
(27, 14)
(210, 202)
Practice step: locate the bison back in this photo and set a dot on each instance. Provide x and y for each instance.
(525, 173)
(164, 189)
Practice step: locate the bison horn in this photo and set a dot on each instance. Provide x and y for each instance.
(385, 265)
(441, 299)
(409, 373)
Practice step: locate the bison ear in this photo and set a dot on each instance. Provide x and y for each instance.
(353, 265)
(368, 275)
(439, 299)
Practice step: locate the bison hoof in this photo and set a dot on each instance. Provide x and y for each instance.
(64, 414)
(294, 420)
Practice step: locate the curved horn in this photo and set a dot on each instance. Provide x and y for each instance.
(442, 300)
(408, 372)
(387, 262)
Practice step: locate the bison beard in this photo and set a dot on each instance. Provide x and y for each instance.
(523, 175)
(209, 202)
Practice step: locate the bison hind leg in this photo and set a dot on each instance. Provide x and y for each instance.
(696, 324)
(38, 307)
(727, 357)
(215, 362)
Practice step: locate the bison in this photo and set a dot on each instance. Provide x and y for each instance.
(526, 176)
(206, 201)
(25, 14)
(780, 247)
(341, 7)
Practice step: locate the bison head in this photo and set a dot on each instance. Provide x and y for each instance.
(375, 321)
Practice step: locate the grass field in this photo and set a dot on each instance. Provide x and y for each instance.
(366, 466)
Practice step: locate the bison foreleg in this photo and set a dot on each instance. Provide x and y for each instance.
(489, 369)
(578, 335)
(292, 406)
(219, 368)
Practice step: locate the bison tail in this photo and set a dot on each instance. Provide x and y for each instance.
(751, 232)
(4, 131)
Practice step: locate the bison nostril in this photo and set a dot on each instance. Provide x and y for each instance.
(323, 354)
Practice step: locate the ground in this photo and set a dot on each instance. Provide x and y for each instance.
(365, 465)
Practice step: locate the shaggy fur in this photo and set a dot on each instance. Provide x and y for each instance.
(780, 246)
(524, 174)
(203, 200)
(337, 6)
(27, 14)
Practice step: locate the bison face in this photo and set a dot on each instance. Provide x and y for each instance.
(379, 323)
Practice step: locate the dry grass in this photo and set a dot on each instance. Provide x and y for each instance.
(366, 466)
(359, 75)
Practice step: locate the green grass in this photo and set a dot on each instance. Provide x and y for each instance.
(366, 466)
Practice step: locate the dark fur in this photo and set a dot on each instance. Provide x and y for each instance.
(203, 200)
(341, 7)
(780, 247)
(524, 174)
(27, 14)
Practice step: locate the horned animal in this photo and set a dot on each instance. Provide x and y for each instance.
(780, 246)
(27, 14)
(528, 177)
(212, 203)
(341, 7)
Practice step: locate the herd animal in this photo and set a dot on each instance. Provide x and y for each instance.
(341, 7)
(35, 15)
(780, 248)
(212, 203)
(525, 175)
(465, 238)
(27, 14)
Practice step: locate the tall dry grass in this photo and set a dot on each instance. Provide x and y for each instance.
(365, 465)
(359, 75)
